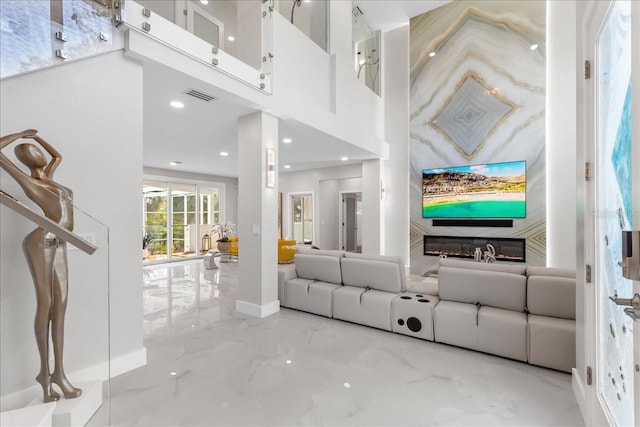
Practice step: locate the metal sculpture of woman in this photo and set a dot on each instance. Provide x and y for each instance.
(46, 254)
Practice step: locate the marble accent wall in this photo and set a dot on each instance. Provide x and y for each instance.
(479, 99)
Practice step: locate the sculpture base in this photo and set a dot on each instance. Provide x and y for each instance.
(78, 411)
(63, 413)
(32, 416)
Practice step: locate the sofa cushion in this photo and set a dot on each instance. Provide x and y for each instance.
(296, 293)
(456, 323)
(502, 332)
(318, 267)
(552, 342)
(346, 303)
(552, 296)
(504, 268)
(492, 288)
(551, 271)
(373, 273)
(321, 298)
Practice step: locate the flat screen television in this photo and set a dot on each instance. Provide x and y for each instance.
(493, 190)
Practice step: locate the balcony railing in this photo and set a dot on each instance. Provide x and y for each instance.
(41, 33)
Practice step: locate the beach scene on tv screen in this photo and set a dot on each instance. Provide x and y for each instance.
(494, 190)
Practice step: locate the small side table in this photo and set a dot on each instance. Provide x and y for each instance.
(212, 259)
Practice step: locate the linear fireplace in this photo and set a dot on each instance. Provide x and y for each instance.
(507, 249)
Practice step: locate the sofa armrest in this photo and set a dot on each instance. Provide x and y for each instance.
(286, 272)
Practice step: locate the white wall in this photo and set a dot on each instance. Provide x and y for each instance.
(396, 171)
(80, 109)
(325, 184)
(561, 134)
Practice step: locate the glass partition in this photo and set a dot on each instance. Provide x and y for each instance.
(366, 52)
(177, 220)
(154, 228)
(183, 211)
(309, 16)
(24, 296)
(233, 36)
(40, 33)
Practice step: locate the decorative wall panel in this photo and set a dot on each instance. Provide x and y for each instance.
(478, 96)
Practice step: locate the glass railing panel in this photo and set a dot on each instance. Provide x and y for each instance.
(231, 36)
(41, 33)
(366, 52)
(86, 332)
(309, 16)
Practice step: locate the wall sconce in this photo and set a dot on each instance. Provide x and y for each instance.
(271, 168)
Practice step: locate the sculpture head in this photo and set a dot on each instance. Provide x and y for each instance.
(30, 155)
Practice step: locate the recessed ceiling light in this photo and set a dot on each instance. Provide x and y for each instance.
(173, 374)
(347, 385)
(204, 1)
(344, 159)
(287, 166)
(176, 104)
(175, 163)
(432, 54)
(287, 140)
(288, 362)
(533, 47)
(231, 38)
(224, 153)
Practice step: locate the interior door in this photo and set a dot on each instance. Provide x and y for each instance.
(351, 215)
(616, 202)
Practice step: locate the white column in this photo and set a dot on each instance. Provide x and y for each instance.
(372, 212)
(257, 217)
(561, 134)
(396, 171)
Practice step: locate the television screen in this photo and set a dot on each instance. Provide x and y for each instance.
(494, 190)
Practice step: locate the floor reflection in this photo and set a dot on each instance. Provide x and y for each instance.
(171, 291)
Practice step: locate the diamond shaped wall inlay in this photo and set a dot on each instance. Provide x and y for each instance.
(472, 114)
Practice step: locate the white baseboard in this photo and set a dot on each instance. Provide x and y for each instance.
(98, 372)
(256, 310)
(580, 392)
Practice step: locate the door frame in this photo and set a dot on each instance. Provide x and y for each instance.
(341, 215)
(589, 26)
(289, 215)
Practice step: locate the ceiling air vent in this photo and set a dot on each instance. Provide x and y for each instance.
(357, 12)
(200, 95)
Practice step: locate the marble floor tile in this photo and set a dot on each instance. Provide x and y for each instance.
(211, 366)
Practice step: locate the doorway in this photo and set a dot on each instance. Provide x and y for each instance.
(612, 199)
(302, 218)
(351, 222)
(177, 220)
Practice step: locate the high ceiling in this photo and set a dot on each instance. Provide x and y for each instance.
(196, 134)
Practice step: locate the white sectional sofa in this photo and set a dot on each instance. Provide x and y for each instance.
(514, 311)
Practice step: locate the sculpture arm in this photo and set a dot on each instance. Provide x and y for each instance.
(56, 158)
(5, 162)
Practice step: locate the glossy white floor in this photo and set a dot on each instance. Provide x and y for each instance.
(209, 365)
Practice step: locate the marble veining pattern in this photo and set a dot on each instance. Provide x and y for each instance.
(295, 368)
(472, 114)
(493, 41)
